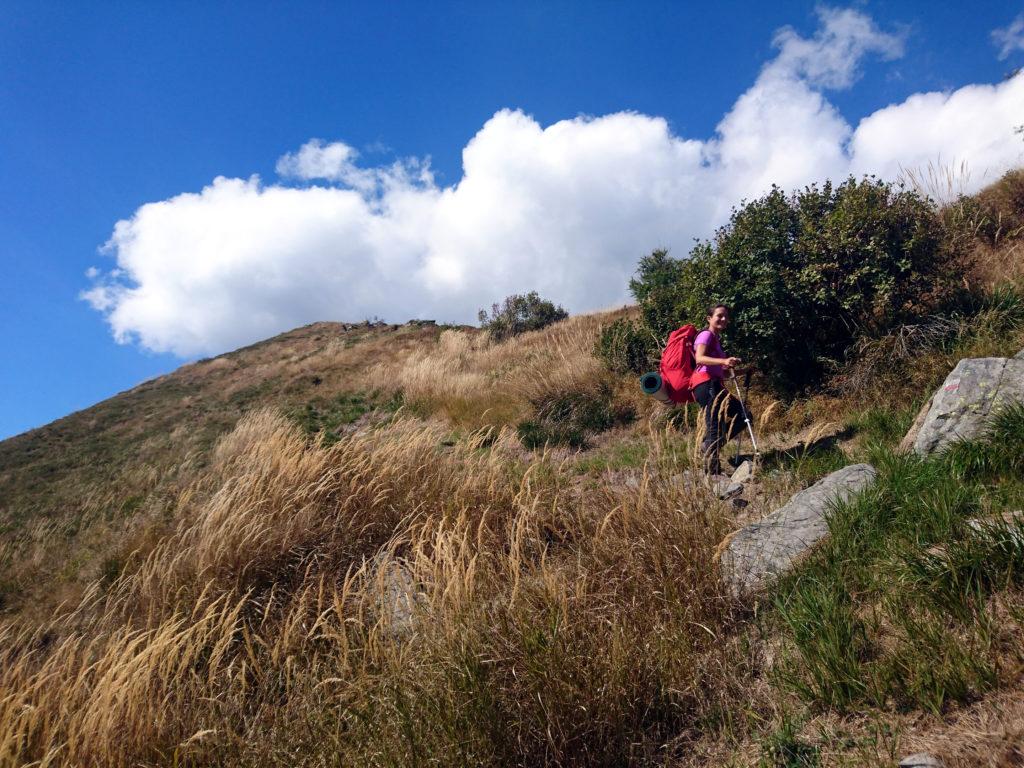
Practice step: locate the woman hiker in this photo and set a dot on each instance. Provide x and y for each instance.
(723, 413)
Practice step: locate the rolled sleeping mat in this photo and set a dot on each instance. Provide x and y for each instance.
(652, 385)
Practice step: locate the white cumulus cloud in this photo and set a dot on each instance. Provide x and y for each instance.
(319, 160)
(831, 57)
(1010, 38)
(972, 125)
(565, 209)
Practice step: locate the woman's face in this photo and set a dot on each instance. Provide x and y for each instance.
(719, 319)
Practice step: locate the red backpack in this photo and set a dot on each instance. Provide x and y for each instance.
(677, 364)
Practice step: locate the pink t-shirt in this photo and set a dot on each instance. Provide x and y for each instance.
(713, 349)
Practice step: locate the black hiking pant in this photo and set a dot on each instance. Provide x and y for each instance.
(723, 420)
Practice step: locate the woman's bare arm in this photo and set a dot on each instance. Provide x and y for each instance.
(703, 359)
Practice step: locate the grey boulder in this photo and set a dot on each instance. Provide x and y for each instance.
(761, 551)
(920, 760)
(725, 488)
(907, 443)
(397, 595)
(744, 472)
(960, 408)
(1008, 526)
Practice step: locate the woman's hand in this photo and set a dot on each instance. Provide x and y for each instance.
(732, 362)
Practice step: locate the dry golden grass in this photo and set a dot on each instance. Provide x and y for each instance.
(474, 382)
(990, 223)
(942, 183)
(996, 265)
(76, 494)
(385, 598)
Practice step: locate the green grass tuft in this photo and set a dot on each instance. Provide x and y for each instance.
(783, 748)
(895, 609)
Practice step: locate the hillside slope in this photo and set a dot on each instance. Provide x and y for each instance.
(254, 607)
(68, 488)
(78, 495)
(425, 590)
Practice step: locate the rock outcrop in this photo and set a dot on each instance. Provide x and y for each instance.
(758, 553)
(907, 443)
(960, 408)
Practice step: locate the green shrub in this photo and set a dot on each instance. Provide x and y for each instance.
(519, 314)
(110, 569)
(626, 346)
(535, 434)
(566, 418)
(327, 417)
(808, 274)
(8, 592)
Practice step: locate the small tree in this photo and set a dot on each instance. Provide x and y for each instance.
(659, 289)
(519, 314)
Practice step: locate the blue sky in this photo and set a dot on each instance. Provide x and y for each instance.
(593, 132)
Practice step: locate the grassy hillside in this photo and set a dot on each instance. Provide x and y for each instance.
(348, 545)
(69, 490)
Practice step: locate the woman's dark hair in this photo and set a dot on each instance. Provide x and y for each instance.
(713, 307)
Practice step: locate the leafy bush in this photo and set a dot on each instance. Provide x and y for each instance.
(519, 314)
(807, 274)
(626, 346)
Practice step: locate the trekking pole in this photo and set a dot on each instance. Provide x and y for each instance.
(739, 446)
(746, 414)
